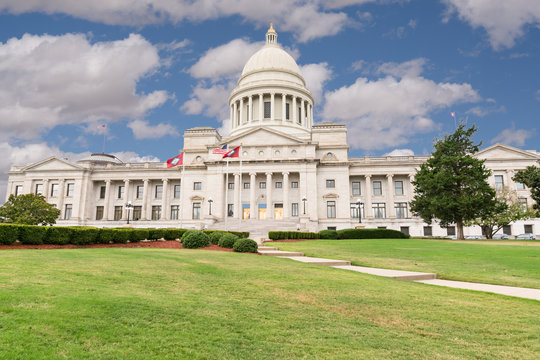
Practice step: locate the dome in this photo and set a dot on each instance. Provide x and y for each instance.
(101, 158)
(271, 57)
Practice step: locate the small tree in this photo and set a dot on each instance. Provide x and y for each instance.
(451, 185)
(29, 209)
(531, 178)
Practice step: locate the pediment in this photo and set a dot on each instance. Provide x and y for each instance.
(196, 198)
(52, 164)
(505, 152)
(331, 196)
(263, 136)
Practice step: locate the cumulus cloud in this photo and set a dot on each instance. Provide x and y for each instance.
(386, 112)
(143, 130)
(209, 100)
(400, 152)
(513, 136)
(51, 80)
(504, 21)
(316, 75)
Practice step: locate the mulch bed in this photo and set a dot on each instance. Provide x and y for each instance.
(168, 244)
(293, 240)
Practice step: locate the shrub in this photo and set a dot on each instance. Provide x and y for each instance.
(32, 234)
(215, 236)
(57, 235)
(81, 235)
(121, 236)
(280, 235)
(8, 234)
(173, 234)
(137, 235)
(195, 239)
(240, 234)
(156, 234)
(328, 234)
(245, 245)
(228, 240)
(184, 235)
(371, 234)
(106, 236)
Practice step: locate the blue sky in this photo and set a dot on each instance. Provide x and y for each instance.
(392, 71)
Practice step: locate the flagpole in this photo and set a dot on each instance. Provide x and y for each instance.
(226, 194)
(241, 187)
(182, 185)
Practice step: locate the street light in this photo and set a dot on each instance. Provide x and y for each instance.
(129, 206)
(210, 201)
(358, 202)
(304, 200)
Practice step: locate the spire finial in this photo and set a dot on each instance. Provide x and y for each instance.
(271, 35)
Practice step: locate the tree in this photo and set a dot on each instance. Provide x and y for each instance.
(451, 185)
(531, 178)
(506, 210)
(29, 209)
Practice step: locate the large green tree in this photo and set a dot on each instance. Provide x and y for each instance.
(531, 178)
(29, 209)
(451, 186)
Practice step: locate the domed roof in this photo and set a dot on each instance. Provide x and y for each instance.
(101, 158)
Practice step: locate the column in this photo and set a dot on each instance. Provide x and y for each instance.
(164, 200)
(107, 200)
(231, 117)
(269, 208)
(283, 107)
(241, 120)
(234, 118)
(302, 113)
(261, 102)
(126, 199)
(310, 115)
(293, 109)
(390, 213)
(62, 194)
(252, 201)
(411, 187)
(236, 196)
(272, 106)
(510, 184)
(250, 109)
(368, 212)
(285, 186)
(144, 213)
(45, 189)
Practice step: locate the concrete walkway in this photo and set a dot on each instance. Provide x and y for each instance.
(426, 278)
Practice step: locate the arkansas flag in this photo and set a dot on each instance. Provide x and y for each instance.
(233, 153)
(222, 150)
(177, 160)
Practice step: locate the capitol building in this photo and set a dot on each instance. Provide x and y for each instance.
(291, 173)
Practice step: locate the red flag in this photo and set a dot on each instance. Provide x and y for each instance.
(177, 160)
(233, 153)
(222, 150)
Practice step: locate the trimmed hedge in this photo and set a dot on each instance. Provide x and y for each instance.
(195, 239)
(173, 234)
(57, 235)
(8, 234)
(228, 240)
(137, 235)
(215, 236)
(245, 245)
(156, 234)
(32, 234)
(282, 235)
(328, 234)
(240, 234)
(371, 234)
(81, 235)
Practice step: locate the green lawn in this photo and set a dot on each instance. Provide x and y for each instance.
(513, 265)
(194, 304)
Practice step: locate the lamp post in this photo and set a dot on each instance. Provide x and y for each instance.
(304, 200)
(210, 201)
(358, 202)
(129, 206)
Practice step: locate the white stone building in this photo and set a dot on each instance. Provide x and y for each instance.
(290, 174)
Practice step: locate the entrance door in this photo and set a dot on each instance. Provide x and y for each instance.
(278, 211)
(262, 213)
(245, 213)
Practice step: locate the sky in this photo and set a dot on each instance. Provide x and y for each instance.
(393, 71)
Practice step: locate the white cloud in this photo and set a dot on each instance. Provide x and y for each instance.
(513, 136)
(411, 68)
(51, 80)
(386, 112)
(504, 21)
(400, 152)
(316, 75)
(210, 100)
(142, 130)
(133, 157)
(482, 111)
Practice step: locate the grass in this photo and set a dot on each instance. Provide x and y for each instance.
(193, 304)
(513, 265)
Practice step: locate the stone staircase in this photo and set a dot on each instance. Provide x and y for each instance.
(258, 229)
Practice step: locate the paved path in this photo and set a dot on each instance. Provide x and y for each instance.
(426, 278)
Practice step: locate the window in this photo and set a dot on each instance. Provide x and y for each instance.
(294, 184)
(267, 109)
(70, 189)
(54, 190)
(379, 210)
(158, 194)
(261, 153)
(247, 185)
(198, 158)
(18, 190)
(428, 231)
(137, 211)
(355, 188)
(354, 210)
(287, 112)
(499, 182)
(117, 213)
(39, 189)
(277, 153)
(331, 228)
(294, 209)
(99, 212)
(174, 212)
(523, 203)
(519, 186)
(67, 211)
(450, 230)
(507, 229)
(401, 210)
(197, 185)
(299, 115)
(398, 187)
(231, 186)
(262, 185)
(330, 184)
(230, 210)
(140, 191)
(156, 212)
(404, 229)
(331, 209)
(528, 229)
(196, 210)
(102, 191)
(121, 189)
(177, 191)
(279, 184)
(377, 188)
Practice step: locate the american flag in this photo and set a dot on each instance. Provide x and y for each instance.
(102, 126)
(221, 150)
(453, 114)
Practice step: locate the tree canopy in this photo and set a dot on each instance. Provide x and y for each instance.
(451, 186)
(28, 209)
(531, 178)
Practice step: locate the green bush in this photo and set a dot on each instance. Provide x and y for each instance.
(8, 234)
(106, 236)
(195, 239)
(228, 240)
(184, 235)
(245, 245)
(81, 235)
(328, 234)
(32, 234)
(173, 234)
(137, 235)
(215, 236)
(57, 235)
(240, 234)
(121, 236)
(371, 234)
(156, 234)
(281, 235)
